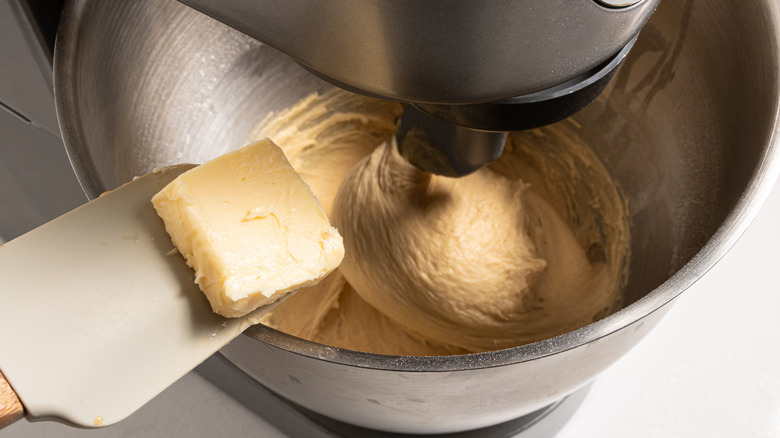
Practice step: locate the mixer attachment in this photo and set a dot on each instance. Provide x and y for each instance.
(443, 148)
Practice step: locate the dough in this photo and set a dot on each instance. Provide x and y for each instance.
(530, 247)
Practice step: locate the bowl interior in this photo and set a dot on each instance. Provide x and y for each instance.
(685, 127)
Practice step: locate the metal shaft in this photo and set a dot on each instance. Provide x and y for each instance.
(443, 148)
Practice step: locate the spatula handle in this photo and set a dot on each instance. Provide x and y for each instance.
(11, 408)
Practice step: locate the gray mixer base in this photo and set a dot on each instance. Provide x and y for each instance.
(296, 421)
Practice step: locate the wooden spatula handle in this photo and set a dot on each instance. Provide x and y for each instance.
(11, 408)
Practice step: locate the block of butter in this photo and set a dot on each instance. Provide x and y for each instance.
(250, 227)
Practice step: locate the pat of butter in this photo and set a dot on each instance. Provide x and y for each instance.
(250, 228)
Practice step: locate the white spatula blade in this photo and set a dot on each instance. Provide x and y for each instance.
(97, 315)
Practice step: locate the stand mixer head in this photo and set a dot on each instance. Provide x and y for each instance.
(472, 70)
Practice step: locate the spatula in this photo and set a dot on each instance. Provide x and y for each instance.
(98, 313)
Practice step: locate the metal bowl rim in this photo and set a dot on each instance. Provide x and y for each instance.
(723, 239)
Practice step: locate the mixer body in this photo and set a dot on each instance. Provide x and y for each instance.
(500, 66)
(443, 52)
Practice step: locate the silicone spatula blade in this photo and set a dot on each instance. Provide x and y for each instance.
(98, 313)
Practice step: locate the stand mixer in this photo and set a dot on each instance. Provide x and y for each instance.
(688, 129)
(470, 71)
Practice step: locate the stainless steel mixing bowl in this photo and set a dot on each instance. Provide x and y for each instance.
(688, 128)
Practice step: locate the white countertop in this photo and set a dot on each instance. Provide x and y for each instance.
(711, 368)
